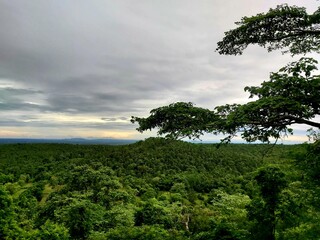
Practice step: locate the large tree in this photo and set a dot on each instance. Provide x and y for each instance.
(291, 96)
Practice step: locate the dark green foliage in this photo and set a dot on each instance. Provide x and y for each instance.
(283, 27)
(81, 217)
(310, 161)
(8, 226)
(220, 232)
(6, 211)
(153, 213)
(36, 190)
(191, 191)
(6, 178)
(136, 233)
(271, 181)
(52, 231)
(187, 120)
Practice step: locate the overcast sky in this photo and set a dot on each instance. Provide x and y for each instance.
(80, 68)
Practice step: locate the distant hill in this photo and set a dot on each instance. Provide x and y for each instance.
(90, 141)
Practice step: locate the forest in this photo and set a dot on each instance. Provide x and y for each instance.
(159, 189)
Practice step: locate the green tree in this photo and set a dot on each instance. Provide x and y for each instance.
(8, 226)
(6, 178)
(285, 26)
(310, 161)
(52, 231)
(146, 232)
(120, 215)
(152, 213)
(262, 211)
(178, 120)
(81, 218)
(230, 211)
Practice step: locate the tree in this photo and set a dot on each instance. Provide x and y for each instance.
(291, 96)
(153, 212)
(81, 218)
(285, 26)
(178, 120)
(263, 210)
(145, 232)
(52, 231)
(8, 226)
(309, 160)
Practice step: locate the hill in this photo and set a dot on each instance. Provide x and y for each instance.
(152, 189)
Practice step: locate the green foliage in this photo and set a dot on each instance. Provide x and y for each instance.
(121, 216)
(153, 212)
(271, 181)
(291, 208)
(4, 178)
(221, 232)
(135, 233)
(36, 190)
(192, 191)
(81, 217)
(292, 96)
(285, 26)
(84, 177)
(187, 120)
(310, 161)
(52, 231)
(231, 205)
(26, 209)
(8, 226)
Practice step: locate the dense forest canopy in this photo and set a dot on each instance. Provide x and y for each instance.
(155, 189)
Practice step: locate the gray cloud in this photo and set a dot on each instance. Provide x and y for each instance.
(9, 122)
(18, 99)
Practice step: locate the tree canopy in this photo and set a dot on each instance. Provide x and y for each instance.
(178, 120)
(289, 27)
(291, 96)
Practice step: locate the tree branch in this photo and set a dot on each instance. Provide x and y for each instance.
(304, 121)
(297, 34)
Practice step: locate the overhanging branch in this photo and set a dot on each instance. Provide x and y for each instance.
(304, 121)
(297, 34)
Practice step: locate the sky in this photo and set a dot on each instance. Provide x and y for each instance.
(82, 68)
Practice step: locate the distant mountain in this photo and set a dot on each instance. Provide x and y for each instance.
(86, 141)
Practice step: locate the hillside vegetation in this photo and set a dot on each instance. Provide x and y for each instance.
(157, 189)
